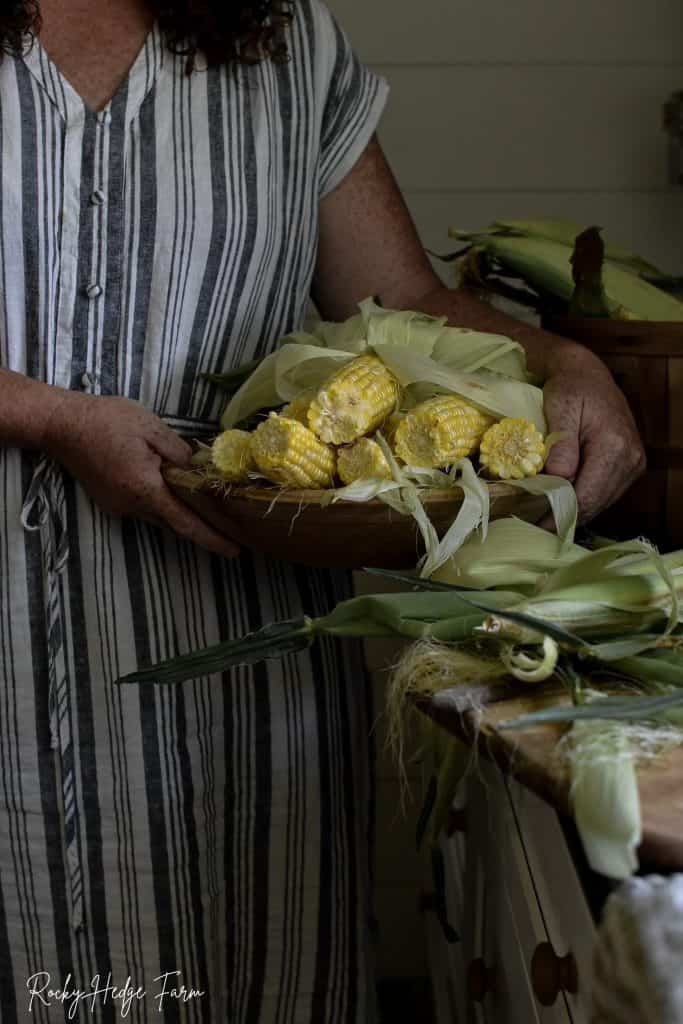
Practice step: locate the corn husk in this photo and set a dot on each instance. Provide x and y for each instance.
(565, 231)
(420, 349)
(545, 265)
(516, 555)
(604, 796)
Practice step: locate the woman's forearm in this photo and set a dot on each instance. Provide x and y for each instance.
(547, 354)
(26, 408)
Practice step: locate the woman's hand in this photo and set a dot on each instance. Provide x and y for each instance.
(602, 454)
(369, 246)
(115, 447)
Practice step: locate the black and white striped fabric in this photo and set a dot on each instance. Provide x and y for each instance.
(210, 838)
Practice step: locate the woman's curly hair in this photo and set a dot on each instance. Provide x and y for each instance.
(221, 30)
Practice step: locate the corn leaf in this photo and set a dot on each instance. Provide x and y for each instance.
(532, 622)
(473, 515)
(441, 616)
(561, 498)
(604, 797)
(545, 266)
(515, 554)
(280, 377)
(501, 396)
(628, 709)
(418, 582)
(455, 356)
(565, 232)
(657, 665)
(273, 641)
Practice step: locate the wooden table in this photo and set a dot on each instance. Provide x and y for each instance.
(529, 754)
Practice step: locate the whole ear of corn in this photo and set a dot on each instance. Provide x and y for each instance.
(440, 431)
(354, 401)
(288, 453)
(364, 458)
(545, 265)
(512, 449)
(230, 455)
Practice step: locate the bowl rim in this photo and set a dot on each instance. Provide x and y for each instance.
(190, 479)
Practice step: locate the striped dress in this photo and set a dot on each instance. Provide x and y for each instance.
(197, 853)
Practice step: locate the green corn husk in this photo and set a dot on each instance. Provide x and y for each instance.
(440, 615)
(604, 796)
(565, 231)
(496, 562)
(545, 265)
(488, 369)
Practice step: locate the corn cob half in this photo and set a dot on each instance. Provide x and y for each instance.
(364, 458)
(439, 431)
(288, 453)
(298, 408)
(354, 401)
(230, 455)
(512, 449)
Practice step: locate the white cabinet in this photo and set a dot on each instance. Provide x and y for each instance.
(514, 897)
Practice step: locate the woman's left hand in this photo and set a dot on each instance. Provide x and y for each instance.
(603, 453)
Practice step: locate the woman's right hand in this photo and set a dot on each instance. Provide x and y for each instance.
(115, 447)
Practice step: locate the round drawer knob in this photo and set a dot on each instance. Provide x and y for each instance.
(480, 979)
(552, 974)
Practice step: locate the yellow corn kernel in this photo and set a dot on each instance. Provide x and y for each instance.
(512, 449)
(230, 455)
(298, 408)
(288, 453)
(439, 431)
(354, 401)
(363, 458)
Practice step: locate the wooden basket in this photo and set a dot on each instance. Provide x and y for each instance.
(646, 359)
(295, 526)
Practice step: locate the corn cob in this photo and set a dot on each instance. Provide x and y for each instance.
(298, 408)
(354, 401)
(288, 453)
(512, 448)
(439, 431)
(230, 455)
(362, 459)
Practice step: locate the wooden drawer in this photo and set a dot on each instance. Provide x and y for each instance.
(513, 894)
(567, 918)
(508, 872)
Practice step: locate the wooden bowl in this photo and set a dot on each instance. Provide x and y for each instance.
(295, 526)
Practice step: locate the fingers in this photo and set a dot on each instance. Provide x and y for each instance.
(170, 446)
(187, 524)
(564, 416)
(607, 471)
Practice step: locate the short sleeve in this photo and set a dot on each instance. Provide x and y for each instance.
(352, 101)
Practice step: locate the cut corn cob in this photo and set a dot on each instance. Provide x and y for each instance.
(230, 455)
(364, 458)
(288, 453)
(298, 408)
(354, 401)
(512, 449)
(439, 431)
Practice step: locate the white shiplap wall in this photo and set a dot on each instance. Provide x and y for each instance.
(529, 109)
(532, 108)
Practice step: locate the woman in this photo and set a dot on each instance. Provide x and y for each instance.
(171, 189)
